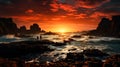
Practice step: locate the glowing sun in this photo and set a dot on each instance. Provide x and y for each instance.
(62, 30)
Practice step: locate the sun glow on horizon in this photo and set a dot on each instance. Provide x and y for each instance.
(62, 30)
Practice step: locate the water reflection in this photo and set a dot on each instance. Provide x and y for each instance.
(73, 44)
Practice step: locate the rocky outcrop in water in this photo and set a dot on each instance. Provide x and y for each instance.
(7, 26)
(115, 26)
(23, 30)
(104, 26)
(108, 27)
(35, 28)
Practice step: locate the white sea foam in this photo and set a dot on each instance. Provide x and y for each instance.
(11, 38)
(107, 44)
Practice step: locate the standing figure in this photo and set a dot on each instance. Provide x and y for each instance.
(40, 37)
(37, 37)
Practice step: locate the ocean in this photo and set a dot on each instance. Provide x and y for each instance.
(75, 42)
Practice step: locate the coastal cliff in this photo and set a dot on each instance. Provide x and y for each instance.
(108, 27)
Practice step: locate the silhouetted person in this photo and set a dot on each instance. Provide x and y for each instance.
(40, 37)
(37, 37)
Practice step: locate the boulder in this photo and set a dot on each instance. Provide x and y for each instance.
(94, 53)
(74, 57)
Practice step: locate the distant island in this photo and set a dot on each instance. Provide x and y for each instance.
(7, 26)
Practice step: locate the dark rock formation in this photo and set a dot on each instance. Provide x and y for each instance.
(104, 27)
(112, 61)
(50, 33)
(108, 27)
(7, 26)
(74, 57)
(115, 26)
(94, 53)
(35, 28)
(23, 30)
(18, 49)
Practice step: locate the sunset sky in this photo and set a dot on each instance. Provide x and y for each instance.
(59, 15)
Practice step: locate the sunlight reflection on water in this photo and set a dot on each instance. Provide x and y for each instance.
(80, 44)
(74, 44)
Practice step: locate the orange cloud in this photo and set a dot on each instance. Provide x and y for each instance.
(99, 14)
(55, 7)
(29, 11)
(55, 19)
(67, 8)
(70, 14)
(90, 3)
(82, 16)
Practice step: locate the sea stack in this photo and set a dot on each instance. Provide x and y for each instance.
(104, 27)
(115, 25)
(108, 27)
(7, 26)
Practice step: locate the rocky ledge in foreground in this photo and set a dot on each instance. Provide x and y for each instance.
(88, 58)
(17, 49)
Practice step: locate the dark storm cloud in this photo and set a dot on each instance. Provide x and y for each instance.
(91, 3)
(5, 2)
(19, 7)
(111, 8)
(78, 8)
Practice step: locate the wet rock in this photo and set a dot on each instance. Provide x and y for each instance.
(95, 64)
(74, 57)
(94, 53)
(59, 44)
(112, 61)
(73, 49)
(76, 36)
(18, 49)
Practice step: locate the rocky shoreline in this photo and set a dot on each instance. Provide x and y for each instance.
(72, 60)
(16, 49)
(11, 52)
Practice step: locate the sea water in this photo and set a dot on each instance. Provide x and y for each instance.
(109, 45)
